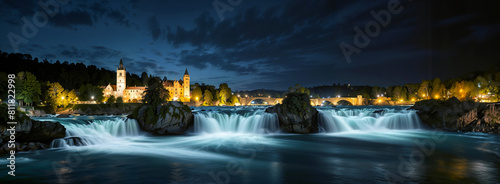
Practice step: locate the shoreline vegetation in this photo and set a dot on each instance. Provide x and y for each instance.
(295, 116)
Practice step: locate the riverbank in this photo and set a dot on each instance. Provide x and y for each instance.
(453, 115)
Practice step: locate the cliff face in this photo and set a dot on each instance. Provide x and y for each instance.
(453, 115)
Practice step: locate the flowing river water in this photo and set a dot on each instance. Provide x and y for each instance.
(244, 145)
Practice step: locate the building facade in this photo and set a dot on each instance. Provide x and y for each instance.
(179, 89)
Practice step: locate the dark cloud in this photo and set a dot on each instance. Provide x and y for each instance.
(270, 44)
(298, 35)
(154, 27)
(72, 19)
(119, 17)
(89, 55)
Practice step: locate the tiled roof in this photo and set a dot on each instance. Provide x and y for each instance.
(136, 87)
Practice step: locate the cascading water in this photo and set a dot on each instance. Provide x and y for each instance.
(345, 120)
(217, 122)
(97, 131)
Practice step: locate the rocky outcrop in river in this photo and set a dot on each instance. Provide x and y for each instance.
(30, 134)
(171, 119)
(453, 115)
(296, 115)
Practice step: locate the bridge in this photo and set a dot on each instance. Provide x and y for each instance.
(314, 101)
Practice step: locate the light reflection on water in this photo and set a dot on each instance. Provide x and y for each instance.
(347, 157)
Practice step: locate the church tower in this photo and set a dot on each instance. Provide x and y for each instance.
(121, 80)
(186, 85)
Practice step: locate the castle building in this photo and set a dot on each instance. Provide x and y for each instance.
(179, 89)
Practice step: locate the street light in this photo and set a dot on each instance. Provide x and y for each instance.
(92, 97)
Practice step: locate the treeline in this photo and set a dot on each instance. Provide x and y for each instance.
(69, 75)
(209, 95)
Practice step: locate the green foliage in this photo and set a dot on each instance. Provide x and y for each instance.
(463, 90)
(119, 101)
(233, 100)
(111, 100)
(28, 89)
(296, 103)
(4, 117)
(299, 89)
(155, 94)
(197, 94)
(207, 97)
(55, 94)
(144, 78)
(88, 91)
(399, 93)
(424, 90)
(224, 93)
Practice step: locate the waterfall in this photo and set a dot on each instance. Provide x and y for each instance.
(345, 120)
(97, 131)
(217, 122)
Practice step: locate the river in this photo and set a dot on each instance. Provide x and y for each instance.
(366, 144)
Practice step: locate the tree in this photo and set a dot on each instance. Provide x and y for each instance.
(119, 101)
(376, 92)
(463, 90)
(223, 94)
(423, 91)
(72, 96)
(55, 94)
(197, 94)
(111, 100)
(88, 91)
(412, 91)
(400, 94)
(28, 88)
(63, 99)
(233, 100)
(155, 94)
(438, 89)
(207, 98)
(144, 78)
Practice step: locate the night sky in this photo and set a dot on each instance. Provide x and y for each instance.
(265, 44)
